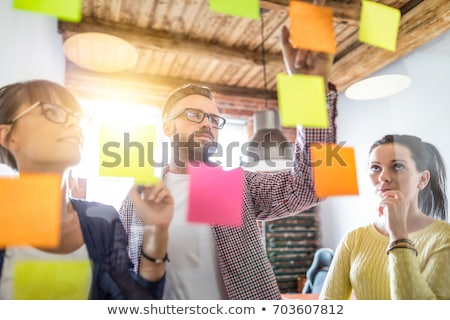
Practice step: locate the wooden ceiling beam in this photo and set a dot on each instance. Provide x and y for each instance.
(132, 87)
(418, 26)
(164, 41)
(348, 12)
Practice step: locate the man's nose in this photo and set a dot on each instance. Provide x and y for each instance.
(206, 122)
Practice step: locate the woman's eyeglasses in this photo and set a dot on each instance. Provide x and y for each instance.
(55, 113)
(197, 116)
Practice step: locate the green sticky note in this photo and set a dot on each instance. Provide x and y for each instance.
(379, 25)
(241, 8)
(67, 10)
(128, 152)
(302, 100)
(52, 280)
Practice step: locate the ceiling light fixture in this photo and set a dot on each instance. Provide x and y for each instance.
(378, 87)
(100, 52)
(269, 148)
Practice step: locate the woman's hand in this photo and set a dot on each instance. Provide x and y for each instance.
(394, 209)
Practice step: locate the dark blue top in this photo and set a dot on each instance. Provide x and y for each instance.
(106, 242)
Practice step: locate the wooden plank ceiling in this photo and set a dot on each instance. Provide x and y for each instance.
(180, 41)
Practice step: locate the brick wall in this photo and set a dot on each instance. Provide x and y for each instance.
(244, 108)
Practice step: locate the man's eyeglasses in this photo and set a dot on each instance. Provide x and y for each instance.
(196, 115)
(55, 113)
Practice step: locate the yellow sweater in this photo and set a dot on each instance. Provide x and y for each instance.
(362, 265)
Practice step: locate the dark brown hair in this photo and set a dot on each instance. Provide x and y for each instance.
(432, 199)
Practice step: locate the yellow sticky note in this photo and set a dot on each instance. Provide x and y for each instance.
(312, 27)
(302, 100)
(379, 25)
(30, 210)
(67, 10)
(334, 170)
(241, 8)
(128, 152)
(52, 280)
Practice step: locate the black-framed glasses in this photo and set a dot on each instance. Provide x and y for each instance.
(196, 115)
(55, 113)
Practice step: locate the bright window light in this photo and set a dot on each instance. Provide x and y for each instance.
(112, 190)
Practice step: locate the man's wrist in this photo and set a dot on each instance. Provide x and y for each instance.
(331, 87)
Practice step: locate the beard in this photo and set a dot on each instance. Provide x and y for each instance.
(193, 151)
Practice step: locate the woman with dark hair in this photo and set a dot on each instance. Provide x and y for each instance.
(40, 133)
(405, 253)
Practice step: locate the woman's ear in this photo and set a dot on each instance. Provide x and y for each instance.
(5, 129)
(424, 179)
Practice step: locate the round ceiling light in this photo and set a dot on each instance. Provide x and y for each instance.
(100, 52)
(378, 87)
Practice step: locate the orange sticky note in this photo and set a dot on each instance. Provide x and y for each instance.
(30, 210)
(215, 195)
(334, 170)
(312, 27)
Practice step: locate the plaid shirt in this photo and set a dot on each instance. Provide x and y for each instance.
(243, 261)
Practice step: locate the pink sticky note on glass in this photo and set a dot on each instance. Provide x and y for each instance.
(215, 195)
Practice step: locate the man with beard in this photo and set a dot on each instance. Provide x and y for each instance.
(224, 262)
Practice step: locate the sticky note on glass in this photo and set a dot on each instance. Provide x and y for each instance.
(311, 27)
(334, 170)
(128, 152)
(241, 8)
(302, 100)
(379, 25)
(52, 280)
(30, 210)
(215, 195)
(67, 10)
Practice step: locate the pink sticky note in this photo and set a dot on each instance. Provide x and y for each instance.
(215, 195)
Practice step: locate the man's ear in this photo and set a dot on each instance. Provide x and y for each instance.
(5, 129)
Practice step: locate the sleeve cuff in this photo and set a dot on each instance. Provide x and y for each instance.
(156, 288)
